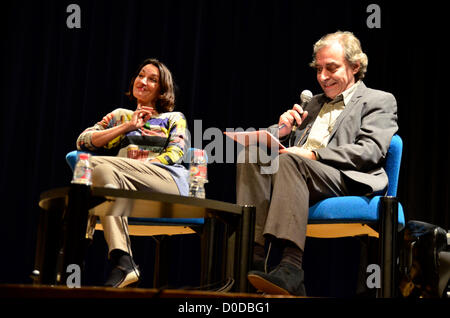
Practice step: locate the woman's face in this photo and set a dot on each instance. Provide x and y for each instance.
(146, 88)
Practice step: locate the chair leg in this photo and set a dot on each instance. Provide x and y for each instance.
(388, 247)
(161, 271)
(213, 249)
(156, 263)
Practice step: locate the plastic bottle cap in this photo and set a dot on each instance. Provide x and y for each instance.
(198, 152)
(84, 156)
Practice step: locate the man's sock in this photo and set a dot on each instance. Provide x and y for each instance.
(292, 254)
(259, 254)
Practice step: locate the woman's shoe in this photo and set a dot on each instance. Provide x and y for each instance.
(121, 277)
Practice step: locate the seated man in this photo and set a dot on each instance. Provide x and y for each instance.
(338, 149)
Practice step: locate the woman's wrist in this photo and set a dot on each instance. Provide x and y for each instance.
(127, 127)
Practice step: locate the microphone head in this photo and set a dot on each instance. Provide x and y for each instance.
(306, 96)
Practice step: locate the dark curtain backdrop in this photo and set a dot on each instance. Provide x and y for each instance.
(236, 63)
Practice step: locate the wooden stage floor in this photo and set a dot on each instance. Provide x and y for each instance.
(167, 302)
(46, 291)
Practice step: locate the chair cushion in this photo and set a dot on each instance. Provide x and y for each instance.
(349, 209)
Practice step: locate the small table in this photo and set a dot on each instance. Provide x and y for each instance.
(65, 211)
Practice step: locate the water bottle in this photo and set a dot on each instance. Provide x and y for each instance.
(82, 173)
(198, 174)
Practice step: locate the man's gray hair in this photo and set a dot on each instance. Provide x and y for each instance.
(352, 50)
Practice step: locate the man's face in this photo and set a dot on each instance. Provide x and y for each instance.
(334, 73)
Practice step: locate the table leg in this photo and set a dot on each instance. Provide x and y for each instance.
(73, 240)
(245, 247)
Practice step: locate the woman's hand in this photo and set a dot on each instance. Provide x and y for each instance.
(140, 116)
(300, 152)
(288, 118)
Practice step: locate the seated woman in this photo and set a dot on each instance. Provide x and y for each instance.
(149, 143)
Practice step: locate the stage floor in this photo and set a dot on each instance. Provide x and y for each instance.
(39, 299)
(46, 291)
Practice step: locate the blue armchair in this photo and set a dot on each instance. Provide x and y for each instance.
(377, 216)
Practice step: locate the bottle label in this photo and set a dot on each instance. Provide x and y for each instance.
(82, 175)
(198, 171)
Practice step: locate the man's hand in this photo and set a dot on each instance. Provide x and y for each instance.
(289, 117)
(300, 152)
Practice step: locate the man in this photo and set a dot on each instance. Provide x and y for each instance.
(338, 149)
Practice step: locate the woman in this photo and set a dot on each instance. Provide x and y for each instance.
(149, 142)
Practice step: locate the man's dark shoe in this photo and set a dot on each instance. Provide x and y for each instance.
(285, 279)
(121, 277)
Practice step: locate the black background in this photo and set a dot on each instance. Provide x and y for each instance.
(236, 63)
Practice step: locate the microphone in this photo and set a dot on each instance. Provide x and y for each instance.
(305, 97)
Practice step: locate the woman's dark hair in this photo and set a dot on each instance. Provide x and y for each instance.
(166, 100)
